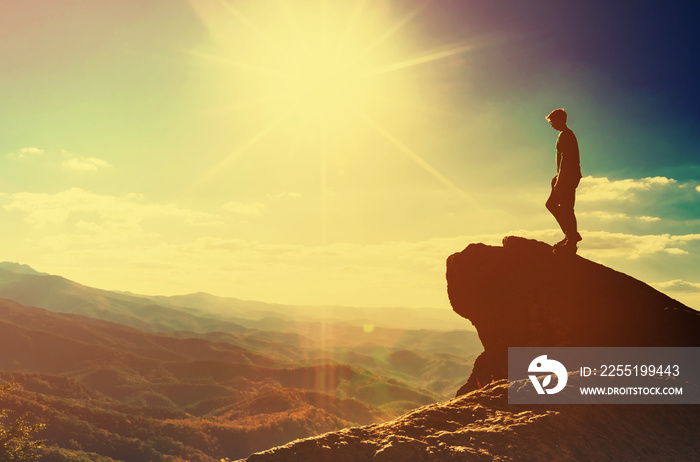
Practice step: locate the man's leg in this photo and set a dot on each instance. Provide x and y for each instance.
(553, 205)
(568, 222)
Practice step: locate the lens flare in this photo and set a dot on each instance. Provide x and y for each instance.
(319, 72)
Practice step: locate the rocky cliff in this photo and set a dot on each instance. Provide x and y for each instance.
(521, 294)
(482, 426)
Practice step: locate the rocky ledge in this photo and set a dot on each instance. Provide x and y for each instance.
(482, 426)
(523, 295)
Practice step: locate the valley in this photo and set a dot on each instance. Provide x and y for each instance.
(120, 376)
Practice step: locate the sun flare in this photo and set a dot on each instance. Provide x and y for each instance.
(323, 88)
(316, 69)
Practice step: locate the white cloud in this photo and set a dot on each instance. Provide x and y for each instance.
(126, 237)
(675, 251)
(654, 203)
(85, 163)
(64, 158)
(249, 209)
(89, 210)
(252, 209)
(25, 153)
(288, 195)
(604, 245)
(594, 189)
(602, 215)
(677, 285)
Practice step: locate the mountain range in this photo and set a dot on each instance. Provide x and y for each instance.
(119, 376)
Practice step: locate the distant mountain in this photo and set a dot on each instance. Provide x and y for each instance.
(61, 295)
(203, 312)
(80, 374)
(316, 336)
(18, 268)
(34, 340)
(237, 376)
(25, 285)
(242, 311)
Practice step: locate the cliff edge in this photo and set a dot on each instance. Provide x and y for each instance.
(522, 295)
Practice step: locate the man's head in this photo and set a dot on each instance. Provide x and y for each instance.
(557, 119)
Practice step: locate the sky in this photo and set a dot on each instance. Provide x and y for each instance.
(323, 152)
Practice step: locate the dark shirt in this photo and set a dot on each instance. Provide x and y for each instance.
(568, 159)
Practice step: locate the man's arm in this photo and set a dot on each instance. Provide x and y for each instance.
(568, 156)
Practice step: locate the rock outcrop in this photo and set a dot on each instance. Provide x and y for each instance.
(482, 426)
(522, 295)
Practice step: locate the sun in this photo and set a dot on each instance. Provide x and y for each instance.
(323, 88)
(312, 69)
(316, 62)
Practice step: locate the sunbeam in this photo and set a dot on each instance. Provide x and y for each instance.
(421, 60)
(242, 148)
(414, 156)
(392, 30)
(330, 74)
(252, 26)
(233, 63)
(352, 22)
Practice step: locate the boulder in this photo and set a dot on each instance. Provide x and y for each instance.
(521, 294)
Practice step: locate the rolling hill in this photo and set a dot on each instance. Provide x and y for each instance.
(266, 329)
(67, 364)
(119, 376)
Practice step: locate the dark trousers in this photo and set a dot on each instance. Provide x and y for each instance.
(561, 205)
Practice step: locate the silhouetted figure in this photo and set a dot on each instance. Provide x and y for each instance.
(561, 199)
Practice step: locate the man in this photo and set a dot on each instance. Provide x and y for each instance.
(563, 195)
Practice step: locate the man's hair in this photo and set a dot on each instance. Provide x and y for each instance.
(557, 114)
